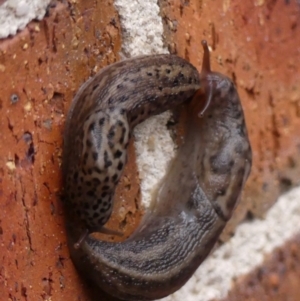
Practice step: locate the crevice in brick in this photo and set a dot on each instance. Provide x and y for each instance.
(233, 77)
(23, 191)
(30, 153)
(17, 160)
(53, 40)
(24, 292)
(47, 287)
(137, 202)
(45, 184)
(275, 131)
(11, 129)
(250, 92)
(123, 223)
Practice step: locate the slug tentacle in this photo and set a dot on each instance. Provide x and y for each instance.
(197, 196)
(207, 86)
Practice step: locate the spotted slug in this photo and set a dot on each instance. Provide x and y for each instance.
(198, 194)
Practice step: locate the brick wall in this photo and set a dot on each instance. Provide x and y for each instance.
(42, 66)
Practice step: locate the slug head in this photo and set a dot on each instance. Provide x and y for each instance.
(212, 84)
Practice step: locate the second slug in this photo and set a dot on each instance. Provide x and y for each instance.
(199, 192)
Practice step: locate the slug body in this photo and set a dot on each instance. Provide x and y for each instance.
(198, 194)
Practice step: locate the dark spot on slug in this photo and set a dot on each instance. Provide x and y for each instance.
(123, 98)
(105, 187)
(111, 144)
(90, 193)
(133, 118)
(85, 157)
(114, 178)
(95, 156)
(91, 127)
(97, 169)
(104, 194)
(96, 181)
(168, 71)
(88, 143)
(149, 73)
(118, 154)
(111, 132)
(120, 166)
(221, 192)
(106, 179)
(175, 83)
(107, 206)
(180, 75)
(96, 206)
(101, 121)
(95, 87)
(120, 123)
(107, 162)
(95, 215)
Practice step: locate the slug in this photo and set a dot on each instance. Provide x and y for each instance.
(198, 194)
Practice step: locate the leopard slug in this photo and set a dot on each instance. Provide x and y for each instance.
(198, 194)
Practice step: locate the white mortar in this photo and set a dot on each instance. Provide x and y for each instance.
(142, 34)
(16, 14)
